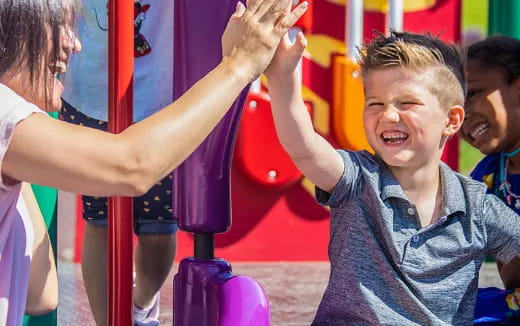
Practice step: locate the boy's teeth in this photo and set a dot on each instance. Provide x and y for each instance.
(479, 130)
(393, 135)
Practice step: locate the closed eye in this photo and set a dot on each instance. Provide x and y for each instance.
(409, 104)
(375, 104)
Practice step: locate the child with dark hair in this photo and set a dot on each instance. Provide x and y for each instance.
(35, 44)
(408, 234)
(492, 126)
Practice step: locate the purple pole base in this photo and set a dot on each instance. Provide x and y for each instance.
(207, 294)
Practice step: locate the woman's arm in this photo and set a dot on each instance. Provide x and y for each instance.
(78, 159)
(42, 294)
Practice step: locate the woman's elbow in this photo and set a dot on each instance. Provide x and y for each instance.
(136, 176)
(138, 187)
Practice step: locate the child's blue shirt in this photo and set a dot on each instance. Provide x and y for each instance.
(488, 171)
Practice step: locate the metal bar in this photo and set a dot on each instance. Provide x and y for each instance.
(204, 247)
(395, 16)
(354, 27)
(120, 100)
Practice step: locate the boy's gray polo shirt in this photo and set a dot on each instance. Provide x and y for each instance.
(387, 270)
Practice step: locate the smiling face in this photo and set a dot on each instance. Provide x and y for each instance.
(48, 98)
(492, 109)
(38, 49)
(404, 120)
(57, 64)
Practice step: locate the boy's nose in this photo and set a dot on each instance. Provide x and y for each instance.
(390, 114)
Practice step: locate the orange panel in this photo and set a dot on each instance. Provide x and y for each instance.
(347, 104)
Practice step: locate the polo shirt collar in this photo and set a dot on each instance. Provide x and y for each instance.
(452, 191)
(453, 196)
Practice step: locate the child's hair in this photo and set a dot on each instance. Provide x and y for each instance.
(420, 53)
(30, 35)
(499, 51)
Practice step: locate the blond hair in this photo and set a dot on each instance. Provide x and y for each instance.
(421, 54)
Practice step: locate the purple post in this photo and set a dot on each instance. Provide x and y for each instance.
(201, 184)
(206, 292)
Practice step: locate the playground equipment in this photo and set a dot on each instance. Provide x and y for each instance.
(120, 105)
(206, 292)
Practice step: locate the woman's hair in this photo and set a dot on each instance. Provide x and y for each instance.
(30, 35)
(499, 51)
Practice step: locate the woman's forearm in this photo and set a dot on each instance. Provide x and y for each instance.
(181, 127)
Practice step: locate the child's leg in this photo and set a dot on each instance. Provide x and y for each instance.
(93, 267)
(153, 261)
(156, 246)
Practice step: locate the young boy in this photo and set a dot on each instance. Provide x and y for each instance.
(408, 235)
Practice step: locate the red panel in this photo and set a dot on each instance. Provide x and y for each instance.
(444, 19)
(258, 152)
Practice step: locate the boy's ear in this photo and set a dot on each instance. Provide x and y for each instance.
(454, 120)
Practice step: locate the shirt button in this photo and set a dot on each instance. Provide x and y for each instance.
(410, 211)
(415, 238)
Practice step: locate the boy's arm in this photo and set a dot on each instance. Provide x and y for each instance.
(42, 294)
(311, 153)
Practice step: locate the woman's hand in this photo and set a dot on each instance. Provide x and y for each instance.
(254, 32)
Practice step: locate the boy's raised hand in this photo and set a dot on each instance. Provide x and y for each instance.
(287, 56)
(254, 32)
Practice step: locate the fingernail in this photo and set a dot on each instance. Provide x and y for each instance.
(304, 4)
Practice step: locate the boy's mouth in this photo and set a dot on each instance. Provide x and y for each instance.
(479, 130)
(394, 137)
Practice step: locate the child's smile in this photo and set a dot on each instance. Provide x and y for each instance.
(493, 110)
(394, 138)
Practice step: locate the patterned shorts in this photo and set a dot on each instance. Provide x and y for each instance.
(152, 211)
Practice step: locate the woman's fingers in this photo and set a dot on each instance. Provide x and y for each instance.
(240, 10)
(283, 25)
(272, 11)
